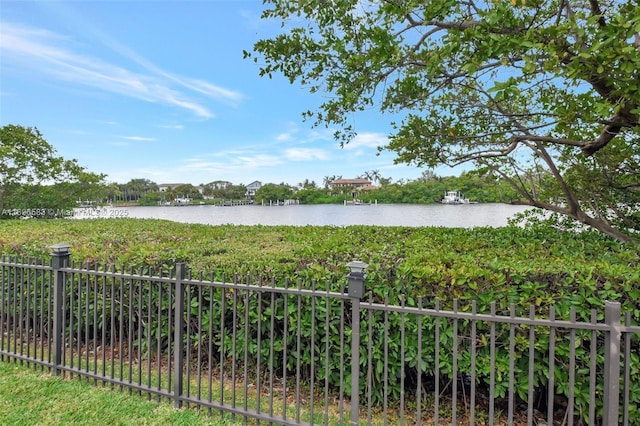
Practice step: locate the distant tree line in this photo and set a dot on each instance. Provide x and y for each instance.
(32, 176)
(429, 188)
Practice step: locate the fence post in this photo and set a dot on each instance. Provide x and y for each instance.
(356, 291)
(178, 337)
(59, 260)
(611, 363)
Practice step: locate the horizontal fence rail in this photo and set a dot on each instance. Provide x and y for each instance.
(317, 353)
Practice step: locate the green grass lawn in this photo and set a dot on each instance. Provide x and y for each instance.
(29, 396)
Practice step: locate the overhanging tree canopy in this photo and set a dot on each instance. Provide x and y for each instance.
(543, 94)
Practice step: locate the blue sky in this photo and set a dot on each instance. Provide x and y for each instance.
(159, 90)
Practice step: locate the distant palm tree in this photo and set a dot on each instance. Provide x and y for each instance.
(328, 179)
(306, 184)
(372, 175)
(376, 176)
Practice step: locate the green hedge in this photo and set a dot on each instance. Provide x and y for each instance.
(508, 266)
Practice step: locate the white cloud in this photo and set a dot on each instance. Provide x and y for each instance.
(367, 140)
(42, 51)
(212, 90)
(285, 136)
(321, 135)
(230, 163)
(305, 154)
(225, 155)
(138, 138)
(289, 133)
(194, 164)
(258, 161)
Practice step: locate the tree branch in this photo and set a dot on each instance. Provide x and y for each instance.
(596, 11)
(488, 153)
(609, 132)
(536, 138)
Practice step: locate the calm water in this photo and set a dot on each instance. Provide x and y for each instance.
(453, 216)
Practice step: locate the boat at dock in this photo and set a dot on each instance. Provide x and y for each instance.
(359, 203)
(454, 197)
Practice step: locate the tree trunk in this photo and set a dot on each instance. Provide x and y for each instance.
(607, 229)
(582, 217)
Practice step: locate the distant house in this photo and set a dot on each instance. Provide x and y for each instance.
(252, 188)
(220, 184)
(361, 184)
(351, 186)
(164, 187)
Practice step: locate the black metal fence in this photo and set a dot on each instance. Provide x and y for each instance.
(307, 354)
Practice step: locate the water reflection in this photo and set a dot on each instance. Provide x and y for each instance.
(452, 216)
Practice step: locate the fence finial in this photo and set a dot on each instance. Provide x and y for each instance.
(356, 278)
(60, 255)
